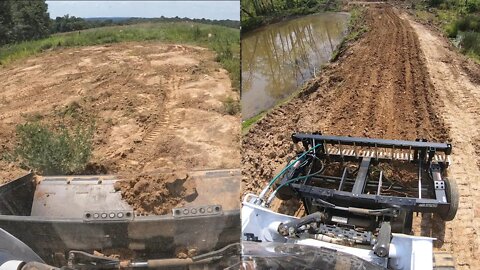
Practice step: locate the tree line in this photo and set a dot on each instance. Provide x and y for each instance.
(69, 23)
(29, 20)
(23, 20)
(255, 13)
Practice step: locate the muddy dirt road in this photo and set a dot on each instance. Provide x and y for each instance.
(156, 106)
(382, 87)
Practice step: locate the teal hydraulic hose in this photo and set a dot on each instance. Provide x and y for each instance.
(264, 191)
(270, 198)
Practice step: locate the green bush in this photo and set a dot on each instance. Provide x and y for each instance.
(473, 6)
(469, 23)
(232, 106)
(54, 152)
(435, 3)
(452, 30)
(471, 43)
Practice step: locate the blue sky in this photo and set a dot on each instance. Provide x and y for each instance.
(148, 9)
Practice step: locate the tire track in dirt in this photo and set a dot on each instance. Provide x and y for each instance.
(461, 110)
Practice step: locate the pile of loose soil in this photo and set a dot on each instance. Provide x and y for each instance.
(158, 195)
(403, 173)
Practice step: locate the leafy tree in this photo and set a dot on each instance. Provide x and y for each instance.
(68, 24)
(6, 22)
(31, 19)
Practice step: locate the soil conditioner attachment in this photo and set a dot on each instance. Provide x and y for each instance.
(358, 197)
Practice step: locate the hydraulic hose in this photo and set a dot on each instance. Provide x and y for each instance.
(265, 190)
(270, 198)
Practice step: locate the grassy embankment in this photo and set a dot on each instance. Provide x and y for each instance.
(459, 20)
(257, 13)
(224, 41)
(356, 27)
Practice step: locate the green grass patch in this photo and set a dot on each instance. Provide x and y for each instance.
(250, 121)
(224, 41)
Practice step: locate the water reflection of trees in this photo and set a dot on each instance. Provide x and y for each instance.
(286, 54)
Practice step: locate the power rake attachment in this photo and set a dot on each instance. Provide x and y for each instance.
(359, 196)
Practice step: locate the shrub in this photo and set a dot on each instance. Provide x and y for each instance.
(469, 23)
(452, 30)
(231, 105)
(473, 6)
(51, 152)
(435, 3)
(471, 42)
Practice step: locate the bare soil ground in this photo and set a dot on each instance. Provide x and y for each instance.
(456, 81)
(385, 86)
(156, 106)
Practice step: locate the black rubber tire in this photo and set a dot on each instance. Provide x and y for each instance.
(453, 198)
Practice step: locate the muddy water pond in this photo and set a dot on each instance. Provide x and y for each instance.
(279, 58)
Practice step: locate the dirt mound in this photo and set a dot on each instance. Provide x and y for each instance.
(157, 194)
(378, 88)
(155, 106)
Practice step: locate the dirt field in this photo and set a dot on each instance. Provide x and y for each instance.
(393, 85)
(156, 106)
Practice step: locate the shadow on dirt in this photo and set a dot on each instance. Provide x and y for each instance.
(433, 226)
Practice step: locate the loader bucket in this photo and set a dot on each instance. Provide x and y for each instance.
(54, 215)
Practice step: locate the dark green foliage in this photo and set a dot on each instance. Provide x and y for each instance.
(69, 23)
(6, 22)
(23, 20)
(472, 6)
(435, 3)
(452, 30)
(255, 13)
(471, 43)
(469, 23)
(460, 19)
(232, 106)
(52, 152)
(31, 19)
